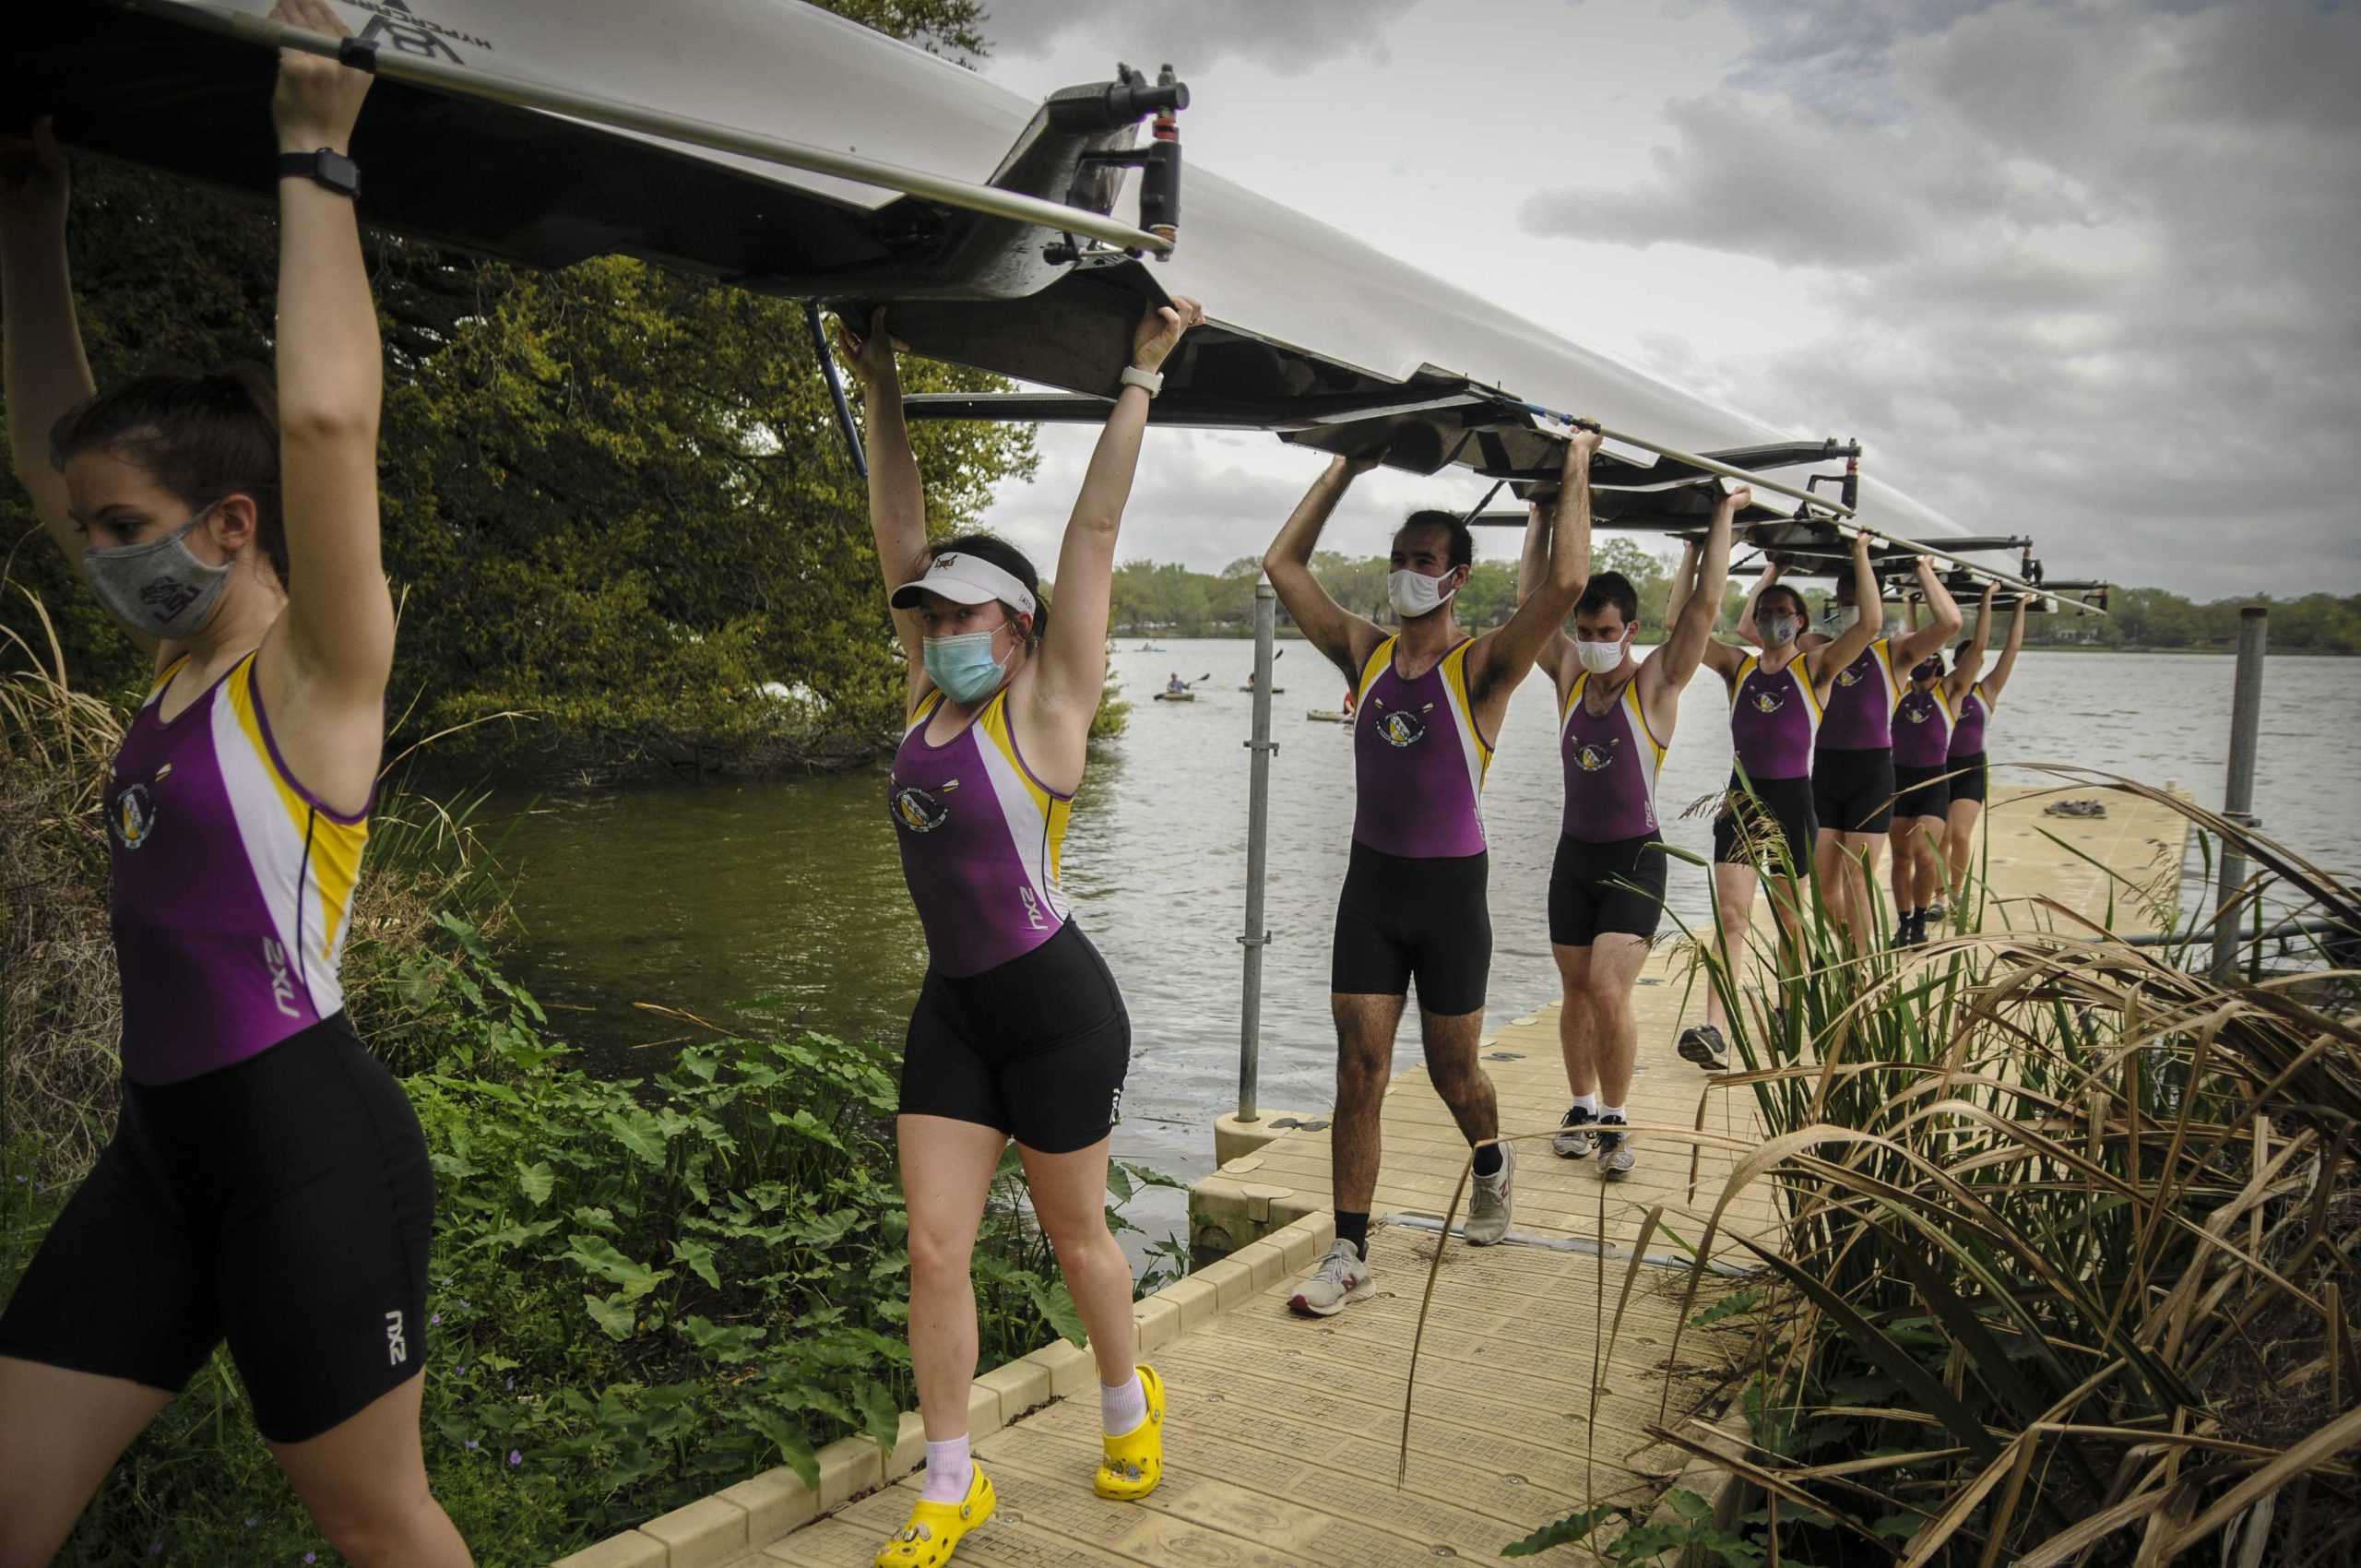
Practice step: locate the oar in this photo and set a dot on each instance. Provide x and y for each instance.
(1840, 516)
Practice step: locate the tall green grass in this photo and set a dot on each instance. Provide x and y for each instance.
(2067, 1250)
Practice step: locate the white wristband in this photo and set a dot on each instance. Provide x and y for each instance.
(1149, 381)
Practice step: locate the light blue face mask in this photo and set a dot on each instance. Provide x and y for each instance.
(963, 667)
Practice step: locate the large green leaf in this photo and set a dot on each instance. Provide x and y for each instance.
(1055, 1303)
(595, 1255)
(640, 1133)
(789, 1439)
(881, 1413)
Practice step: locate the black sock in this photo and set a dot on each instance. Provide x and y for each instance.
(1354, 1228)
(1488, 1160)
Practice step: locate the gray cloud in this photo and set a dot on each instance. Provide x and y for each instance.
(2095, 267)
(1288, 39)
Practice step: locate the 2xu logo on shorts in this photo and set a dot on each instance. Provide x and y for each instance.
(397, 1343)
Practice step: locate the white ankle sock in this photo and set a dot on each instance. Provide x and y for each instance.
(1588, 1102)
(948, 1469)
(1614, 1110)
(1124, 1406)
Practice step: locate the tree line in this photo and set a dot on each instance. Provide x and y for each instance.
(1167, 597)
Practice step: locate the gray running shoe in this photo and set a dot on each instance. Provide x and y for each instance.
(1938, 912)
(1574, 1136)
(1615, 1158)
(1343, 1276)
(1704, 1045)
(1487, 1207)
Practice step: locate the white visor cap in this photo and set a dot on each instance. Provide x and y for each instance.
(966, 579)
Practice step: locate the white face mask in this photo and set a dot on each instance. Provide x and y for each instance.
(1415, 594)
(1778, 630)
(1599, 658)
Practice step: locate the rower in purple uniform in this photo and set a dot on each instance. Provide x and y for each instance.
(268, 1184)
(1020, 1033)
(1607, 883)
(1922, 739)
(1852, 778)
(1431, 699)
(1766, 829)
(1975, 695)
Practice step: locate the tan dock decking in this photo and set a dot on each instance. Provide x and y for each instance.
(1283, 1431)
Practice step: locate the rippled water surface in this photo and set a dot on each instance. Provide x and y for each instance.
(767, 904)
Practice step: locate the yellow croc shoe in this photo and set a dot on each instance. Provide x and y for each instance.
(1134, 1461)
(936, 1529)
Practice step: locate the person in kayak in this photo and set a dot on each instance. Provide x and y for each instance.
(1020, 1031)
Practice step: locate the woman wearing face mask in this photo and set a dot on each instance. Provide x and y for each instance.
(1768, 824)
(266, 1183)
(1020, 1031)
(1975, 696)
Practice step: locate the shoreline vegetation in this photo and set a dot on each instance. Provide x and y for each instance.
(2065, 1267)
(1165, 599)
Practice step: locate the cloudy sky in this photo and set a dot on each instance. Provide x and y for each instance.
(2091, 271)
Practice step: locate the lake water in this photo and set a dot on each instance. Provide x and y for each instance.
(762, 906)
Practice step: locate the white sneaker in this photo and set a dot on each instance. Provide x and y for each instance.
(1615, 1157)
(1343, 1276)
(1488, 1206)
(1575, 1134)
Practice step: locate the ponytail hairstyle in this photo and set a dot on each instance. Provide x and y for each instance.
(202, 437)
(1008, 558)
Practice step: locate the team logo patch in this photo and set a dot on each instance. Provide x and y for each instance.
(1918, 714)
(1849, 676)
(134, 816)
(1591, 758)
(1769, 702)
(1402, 728)
(917, 811)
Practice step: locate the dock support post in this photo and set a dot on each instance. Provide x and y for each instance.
(1258, 828)
(2237, 797)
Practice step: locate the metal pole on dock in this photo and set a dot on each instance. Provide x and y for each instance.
(2237, 797)
(1258, 829)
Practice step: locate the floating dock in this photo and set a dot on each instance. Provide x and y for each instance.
(1285, 1432)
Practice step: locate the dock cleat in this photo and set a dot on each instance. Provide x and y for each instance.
(1134, 1462)
(936, 1529)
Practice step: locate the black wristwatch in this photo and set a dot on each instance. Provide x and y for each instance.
(326, 167)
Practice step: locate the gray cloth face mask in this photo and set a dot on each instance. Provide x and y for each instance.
(1778, 630)
(160, 588)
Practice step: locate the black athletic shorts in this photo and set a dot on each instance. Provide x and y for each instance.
(1971, 774)
(1922, 792)
(283, 1202)
(1037, 1046)
(1429, 919)
(1587, 895)
(1788, 804)
(1852, 791)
